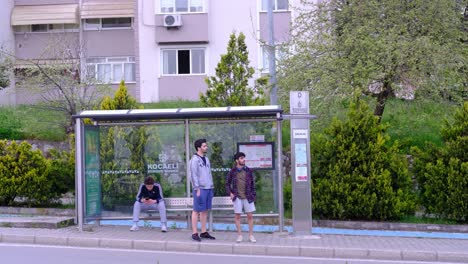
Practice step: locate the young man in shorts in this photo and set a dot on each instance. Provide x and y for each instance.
(240, 185)
(202, 185)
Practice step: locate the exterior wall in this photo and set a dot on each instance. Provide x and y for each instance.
(226, 17)
(194, 29)
(45, 2)
(135, 92)
(26, 96)
(210, 30)
(223, 18)
(7, 95)
(281, 22)
(149, 54)
(45, 45)
(102, 43)
(175, 87)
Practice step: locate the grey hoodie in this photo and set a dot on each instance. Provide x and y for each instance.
(200, 174)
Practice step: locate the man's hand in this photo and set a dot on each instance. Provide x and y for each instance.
(232, 195)
(198, 192)
(149, 201)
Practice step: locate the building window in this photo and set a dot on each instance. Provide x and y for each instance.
(108, 23)
(265, 64)
(46, 28)
(183, 61)
(181, 6)
(111, 69)
(278, 5)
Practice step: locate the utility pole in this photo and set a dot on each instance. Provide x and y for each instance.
(272, 54)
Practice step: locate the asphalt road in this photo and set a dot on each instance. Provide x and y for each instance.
(39, 254)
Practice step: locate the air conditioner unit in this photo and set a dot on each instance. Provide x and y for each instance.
(172, 21)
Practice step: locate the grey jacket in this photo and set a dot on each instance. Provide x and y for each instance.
(200, 174)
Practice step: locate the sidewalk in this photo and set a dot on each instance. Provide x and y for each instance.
(321, 246)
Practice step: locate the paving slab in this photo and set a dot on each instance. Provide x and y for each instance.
(179, 240)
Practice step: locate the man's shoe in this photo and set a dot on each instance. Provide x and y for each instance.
(163, 228)
(206, 235)
(134, 228)
(196, 237)
(239, 239)
(252, 239)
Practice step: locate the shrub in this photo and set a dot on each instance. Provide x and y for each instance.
(442, 173)
(23, 173)
(61, 172)
(287, 196)
(355, 174)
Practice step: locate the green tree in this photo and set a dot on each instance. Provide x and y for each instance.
(5, 70)
(121, 188)
(355, 174)
(382, 48)
(442, 173)
(230, 86)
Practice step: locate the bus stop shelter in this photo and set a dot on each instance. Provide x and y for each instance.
(116, 149)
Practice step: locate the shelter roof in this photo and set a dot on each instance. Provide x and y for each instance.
(271, 111)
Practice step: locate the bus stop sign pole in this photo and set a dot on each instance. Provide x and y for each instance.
(300, 166)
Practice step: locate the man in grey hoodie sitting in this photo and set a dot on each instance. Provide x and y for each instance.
(202, 185)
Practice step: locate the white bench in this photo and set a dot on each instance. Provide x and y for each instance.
(178, 204)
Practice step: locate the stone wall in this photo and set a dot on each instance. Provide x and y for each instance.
(45, 146)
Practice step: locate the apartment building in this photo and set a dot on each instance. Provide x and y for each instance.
(163, 49)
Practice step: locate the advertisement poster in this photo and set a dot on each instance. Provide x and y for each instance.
(92, 172)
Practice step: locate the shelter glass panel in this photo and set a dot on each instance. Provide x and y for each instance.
(129, 153)
(222, 139)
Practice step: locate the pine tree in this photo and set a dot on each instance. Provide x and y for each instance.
(230, 85)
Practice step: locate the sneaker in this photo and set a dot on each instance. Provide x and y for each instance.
(134, 228)
(252, 239)
(239, 239)
(196, 237)
(163, 228)
(206, 235)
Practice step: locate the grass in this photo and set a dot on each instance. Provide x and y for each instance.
(411, 123)
(418, 122)
(172, 104)
(35, 122)
(38, 122)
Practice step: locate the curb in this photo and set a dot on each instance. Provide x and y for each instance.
(37, 222)
(242, 249)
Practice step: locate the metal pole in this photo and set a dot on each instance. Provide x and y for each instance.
(187, 162)
(79, 173)
(280, 172)
(272, 55)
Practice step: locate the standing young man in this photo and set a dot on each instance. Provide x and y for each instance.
(240, 185)
(202, 184)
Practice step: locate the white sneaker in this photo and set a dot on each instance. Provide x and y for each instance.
(239, 239)
(163, 228)
(134, 228)
(252, 239)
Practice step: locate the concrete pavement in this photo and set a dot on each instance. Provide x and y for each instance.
(272, 244)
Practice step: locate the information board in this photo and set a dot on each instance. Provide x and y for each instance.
(258, 155)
